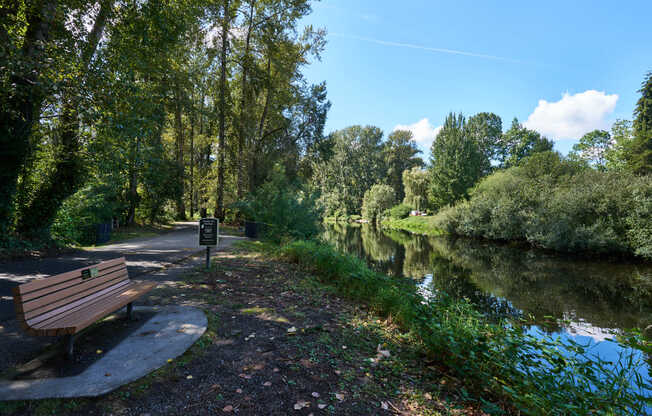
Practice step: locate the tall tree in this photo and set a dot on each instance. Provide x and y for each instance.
(455, 162)
(400, 152)
(357, 163)
(486, 129)
(416, 182)
(639, 152)
(593, 148)
(519, 142)
(68, 172)
(225, 23)
(24, 41)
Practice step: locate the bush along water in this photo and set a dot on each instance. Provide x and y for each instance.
(558, 204)
(285, 210)
(498, 361)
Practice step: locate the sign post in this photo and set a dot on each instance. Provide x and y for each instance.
(209, 231)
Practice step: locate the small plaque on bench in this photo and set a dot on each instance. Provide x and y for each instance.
(89, 273)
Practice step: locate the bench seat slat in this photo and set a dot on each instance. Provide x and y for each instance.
(71, 307)
(91, 312)
(55, 300)
(60, 278)
(66, 284)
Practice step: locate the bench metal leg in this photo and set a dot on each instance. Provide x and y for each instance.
(130, 311)
(69, 345)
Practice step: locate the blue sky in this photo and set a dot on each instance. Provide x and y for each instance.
(408, 63)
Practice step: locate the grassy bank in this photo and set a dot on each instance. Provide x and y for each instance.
(416, 225)
(498, 365)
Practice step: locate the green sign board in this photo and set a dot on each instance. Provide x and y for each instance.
(89, 273)
(209, 231)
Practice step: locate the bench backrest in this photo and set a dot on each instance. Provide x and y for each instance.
(44, 298)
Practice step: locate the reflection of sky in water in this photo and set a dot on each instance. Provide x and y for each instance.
(599, 342)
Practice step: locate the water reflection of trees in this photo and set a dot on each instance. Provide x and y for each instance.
(502, 279)
(607, 295)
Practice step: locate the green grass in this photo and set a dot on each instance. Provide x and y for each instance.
(496, 362)
(416, 225)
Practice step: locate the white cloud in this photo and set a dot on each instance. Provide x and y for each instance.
(424, 133)
(573, 115)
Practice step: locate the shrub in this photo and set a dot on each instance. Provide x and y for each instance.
(93, 204)
(376, 200)
(287, 211)
(557, 204)
(398, 212)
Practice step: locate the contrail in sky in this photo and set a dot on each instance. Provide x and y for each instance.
(424, 48)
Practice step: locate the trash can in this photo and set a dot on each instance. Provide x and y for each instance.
(103, 232)
(251, 229)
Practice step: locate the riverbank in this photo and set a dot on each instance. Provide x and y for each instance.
(416, 225)
(496, 363)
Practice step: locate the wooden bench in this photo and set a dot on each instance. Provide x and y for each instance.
(65, 304)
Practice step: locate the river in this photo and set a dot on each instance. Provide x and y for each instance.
(587, 300)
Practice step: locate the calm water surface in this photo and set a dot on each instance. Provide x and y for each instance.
(588, 301)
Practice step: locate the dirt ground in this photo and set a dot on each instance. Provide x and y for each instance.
(278, 343)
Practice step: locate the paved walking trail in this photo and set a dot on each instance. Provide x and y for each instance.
(144, 256)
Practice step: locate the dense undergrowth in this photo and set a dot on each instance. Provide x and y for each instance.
(557, 204)
(499, 364)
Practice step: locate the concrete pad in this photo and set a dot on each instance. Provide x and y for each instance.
(168, 334)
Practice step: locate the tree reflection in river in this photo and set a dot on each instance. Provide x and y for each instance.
(586, 297)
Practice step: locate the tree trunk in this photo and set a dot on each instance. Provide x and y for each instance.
(253, 181)
(222, 115)
(133, 196)
(241, 163)
(193, 119)
(23, 108)
(178, 124)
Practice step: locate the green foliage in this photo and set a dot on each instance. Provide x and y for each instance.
(79, 214)
(357, 163)
(398, 212)
(400, 152)
(519, 142)
(416, 183)
(424, 225)
(377, 200)
(555, 203)
(455, 164)
(539, 376)
(593, 148)
(486, 129)
(285, 210)
(639, 152)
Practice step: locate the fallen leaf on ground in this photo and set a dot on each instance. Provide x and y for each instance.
(339, 396)
(292, 330)
(228, 408)
(301, 404)
(267, 383)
